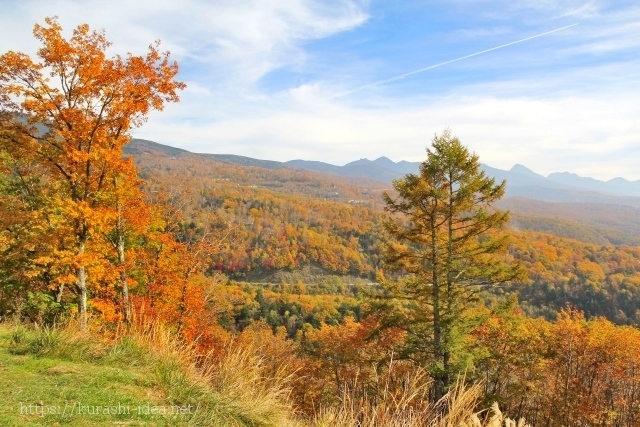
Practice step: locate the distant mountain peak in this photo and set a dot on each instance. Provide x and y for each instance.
(383, 159)
(565, 174)
(385, 162)
(574, 179)
(521, 181)
(523, 170)
(619, 180)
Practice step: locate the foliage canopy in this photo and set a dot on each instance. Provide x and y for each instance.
(70, 113)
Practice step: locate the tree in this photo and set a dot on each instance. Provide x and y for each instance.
(72, 113)
(130, 219)
(445, 249)
(33, 270)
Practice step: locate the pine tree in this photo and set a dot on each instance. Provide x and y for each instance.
(446, 249)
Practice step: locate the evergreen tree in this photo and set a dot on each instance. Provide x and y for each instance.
(446, 250)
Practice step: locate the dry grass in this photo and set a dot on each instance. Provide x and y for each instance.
(247, 392)
(387, 409)
(462, 403)
(239, 389)
(456, 409)
(232, 390)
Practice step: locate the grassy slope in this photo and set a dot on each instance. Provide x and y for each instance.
(34, 389)
(122, 382)
(119, 382)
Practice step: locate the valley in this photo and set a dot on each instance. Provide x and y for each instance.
(285, 225)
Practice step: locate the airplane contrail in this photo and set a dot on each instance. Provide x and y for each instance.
(431, 67)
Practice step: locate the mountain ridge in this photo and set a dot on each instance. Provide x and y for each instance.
(564, 211)
(521, 181)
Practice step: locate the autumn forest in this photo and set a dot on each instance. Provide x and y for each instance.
(362, 294)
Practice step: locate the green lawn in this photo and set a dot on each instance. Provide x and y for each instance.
(42, 389)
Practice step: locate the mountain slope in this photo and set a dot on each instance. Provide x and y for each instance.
(371, 177)
(521, 181)
(382, 169)
(588, 222)
(138, 147)
(275, 221)
(619, 186)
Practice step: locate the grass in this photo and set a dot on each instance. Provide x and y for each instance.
(411, 409)
(46, 381)
(147, 378)
(61, 377)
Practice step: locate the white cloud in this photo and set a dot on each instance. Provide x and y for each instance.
(559, 108)
(244, 38)
(578, 133)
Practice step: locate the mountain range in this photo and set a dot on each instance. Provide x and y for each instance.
(521, 181)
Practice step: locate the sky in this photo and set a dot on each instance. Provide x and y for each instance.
(550, 84)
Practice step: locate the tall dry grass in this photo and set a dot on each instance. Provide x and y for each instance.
(239, 389)
(235, 389)
(411, 409)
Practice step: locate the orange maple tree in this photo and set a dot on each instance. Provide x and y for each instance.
(72, 111)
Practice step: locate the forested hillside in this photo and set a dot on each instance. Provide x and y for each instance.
(279, 220)
(588, 222)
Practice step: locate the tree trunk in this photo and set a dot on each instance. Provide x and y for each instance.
(81, 284)
(82, 296)
(59, 293)
(438, 390)
(126, 302)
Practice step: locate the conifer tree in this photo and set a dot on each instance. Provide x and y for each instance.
(446, 248)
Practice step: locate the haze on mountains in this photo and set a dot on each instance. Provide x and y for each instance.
(521, 181)
(584, 209)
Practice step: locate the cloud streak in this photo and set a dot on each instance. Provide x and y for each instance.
(431, 67)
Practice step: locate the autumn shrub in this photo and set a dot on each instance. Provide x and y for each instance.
(348, 357)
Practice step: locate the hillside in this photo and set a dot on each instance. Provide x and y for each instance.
(253, 173)
(146, 285)
(588, 222)
(278, 224)
(524, 182)
(382, 169)
(38, 388)
(59, 376)
(521, 181)
(537, 203)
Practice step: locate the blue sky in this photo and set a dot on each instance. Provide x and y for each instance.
(320, 80)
